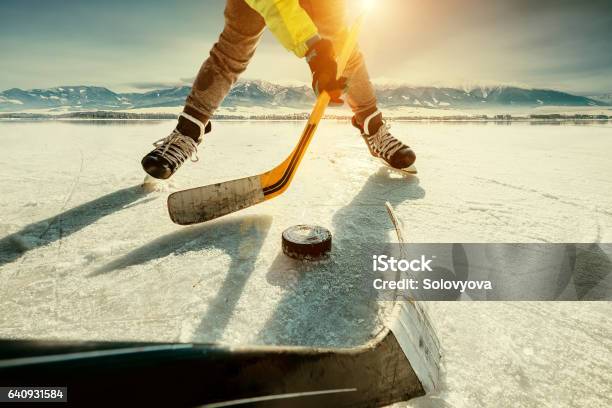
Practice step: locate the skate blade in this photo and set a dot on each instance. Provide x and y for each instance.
(408, 170)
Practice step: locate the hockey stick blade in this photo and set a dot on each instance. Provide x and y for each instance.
(206, 203)
(400, 363)
(209, 202)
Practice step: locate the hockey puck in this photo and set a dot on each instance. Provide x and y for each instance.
(306, 242)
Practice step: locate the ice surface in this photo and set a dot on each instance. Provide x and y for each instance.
(87, 253)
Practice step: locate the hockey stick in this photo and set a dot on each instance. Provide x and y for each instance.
(400, 363)
(426, 362)
(209, 202)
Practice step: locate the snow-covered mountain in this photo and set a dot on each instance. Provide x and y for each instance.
(265, 94)
(76, 97)
(439, 97)
(606, 98)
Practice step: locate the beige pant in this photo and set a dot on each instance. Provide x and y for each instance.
(230, 56)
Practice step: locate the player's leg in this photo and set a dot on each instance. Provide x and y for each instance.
(228, 59)
(330, 18)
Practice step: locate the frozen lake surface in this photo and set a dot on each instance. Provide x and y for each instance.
(85, 253)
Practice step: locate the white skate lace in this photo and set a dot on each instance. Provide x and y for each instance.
(383, 143)
(176, 148)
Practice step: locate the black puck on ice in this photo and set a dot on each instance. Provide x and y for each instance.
(306, 242)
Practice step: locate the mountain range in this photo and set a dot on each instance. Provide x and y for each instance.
(605, 98)
(259, 93)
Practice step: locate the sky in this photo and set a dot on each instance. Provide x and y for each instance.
(137, 44)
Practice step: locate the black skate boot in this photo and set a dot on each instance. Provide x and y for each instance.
(382, 144)
(172, 151)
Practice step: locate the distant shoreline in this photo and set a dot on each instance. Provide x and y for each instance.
(126, 116)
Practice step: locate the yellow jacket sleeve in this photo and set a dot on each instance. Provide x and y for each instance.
(288, 21)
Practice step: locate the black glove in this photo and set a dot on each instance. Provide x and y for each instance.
(322, 61)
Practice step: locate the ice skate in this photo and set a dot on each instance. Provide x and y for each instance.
(173, 150)
(383, 145)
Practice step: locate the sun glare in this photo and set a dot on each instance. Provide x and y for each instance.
(368, 4)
